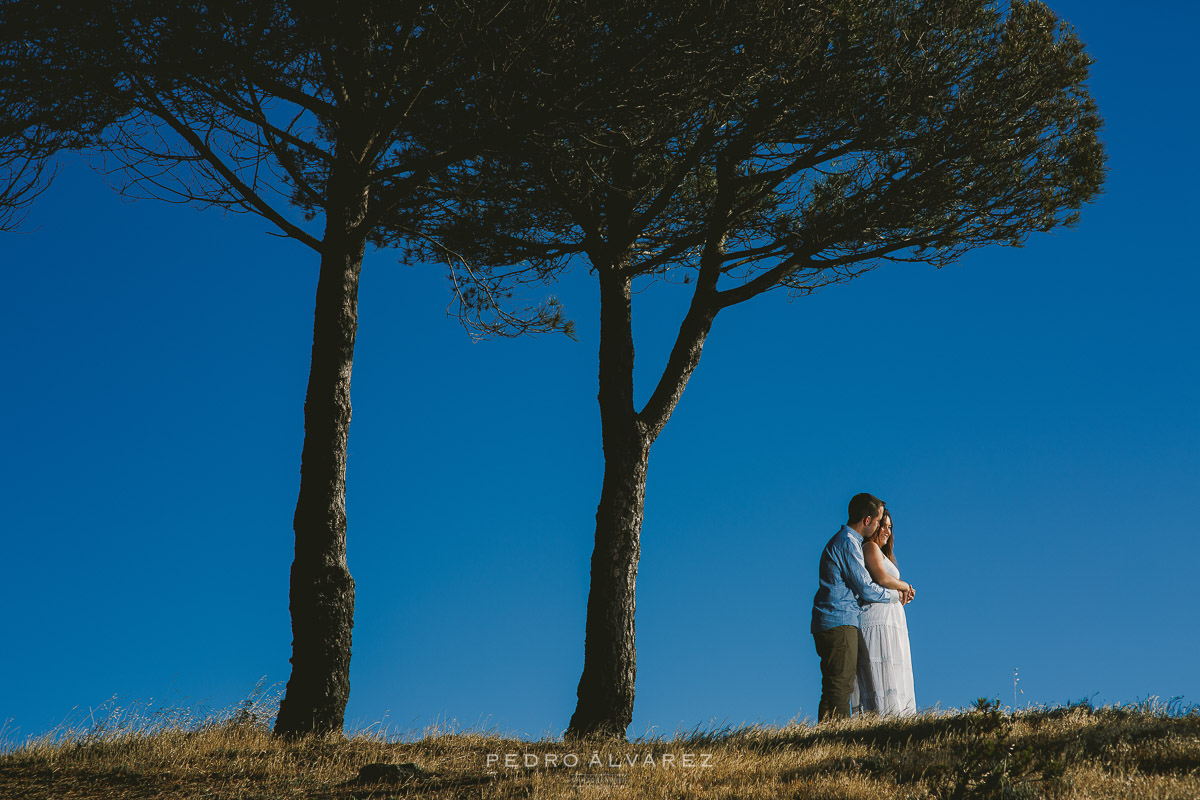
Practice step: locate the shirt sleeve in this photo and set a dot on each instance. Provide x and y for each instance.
(859, 579)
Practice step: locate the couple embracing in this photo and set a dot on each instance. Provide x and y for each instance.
(858, 620)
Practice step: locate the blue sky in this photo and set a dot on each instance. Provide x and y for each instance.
(1029, 415)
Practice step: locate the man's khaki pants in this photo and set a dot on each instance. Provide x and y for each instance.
(838, 649)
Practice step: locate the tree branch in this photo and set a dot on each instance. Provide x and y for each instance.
(248, 195)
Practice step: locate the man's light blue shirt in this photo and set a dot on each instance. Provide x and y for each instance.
(845, 582)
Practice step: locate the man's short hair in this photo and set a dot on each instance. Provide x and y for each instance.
(864, 505)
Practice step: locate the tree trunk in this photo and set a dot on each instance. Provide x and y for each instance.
(322, 590)
(606, 687)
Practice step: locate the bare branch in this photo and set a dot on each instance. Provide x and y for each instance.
(23, 178)
(251, 198)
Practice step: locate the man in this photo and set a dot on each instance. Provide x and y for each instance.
(845, 583)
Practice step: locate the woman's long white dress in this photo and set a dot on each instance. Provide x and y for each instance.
(884, 683)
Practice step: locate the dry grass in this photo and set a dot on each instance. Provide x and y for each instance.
(1074, 752)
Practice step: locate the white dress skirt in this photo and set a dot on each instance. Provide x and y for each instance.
(884, 683)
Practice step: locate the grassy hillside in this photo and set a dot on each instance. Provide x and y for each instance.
(1071, 752)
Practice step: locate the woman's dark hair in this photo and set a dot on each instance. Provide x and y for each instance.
(889, 547)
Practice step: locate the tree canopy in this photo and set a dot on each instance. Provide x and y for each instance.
(813, 141)
(277, 109)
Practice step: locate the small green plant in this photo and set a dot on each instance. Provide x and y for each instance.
(987, 717)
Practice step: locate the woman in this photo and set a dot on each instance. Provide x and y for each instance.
(884, 683)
